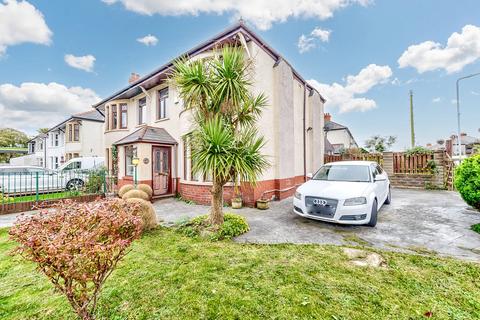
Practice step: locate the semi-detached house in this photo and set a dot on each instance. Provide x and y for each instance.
(80, 135)
(147, 120)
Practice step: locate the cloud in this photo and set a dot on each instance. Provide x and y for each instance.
(148, 40)
(475, 93)
(323, 35)
(461, 49)
(84, 63)
(261, 13)
(306, 43)
(32, 105)
(21, 22)
(344, 97)
(436, 100)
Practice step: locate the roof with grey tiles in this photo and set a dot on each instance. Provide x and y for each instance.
(93, 115)
(148, 134)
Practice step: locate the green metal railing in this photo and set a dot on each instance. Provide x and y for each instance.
(27, 185)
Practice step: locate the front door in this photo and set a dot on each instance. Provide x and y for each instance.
(161, 170)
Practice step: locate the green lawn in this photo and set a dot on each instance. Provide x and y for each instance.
(170, 276)
(43, 196)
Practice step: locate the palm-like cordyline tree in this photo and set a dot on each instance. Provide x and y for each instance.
(224, 141)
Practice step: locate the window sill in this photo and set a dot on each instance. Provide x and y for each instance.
(115, 130)
(162, 120)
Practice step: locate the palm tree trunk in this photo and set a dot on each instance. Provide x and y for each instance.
(216, 214)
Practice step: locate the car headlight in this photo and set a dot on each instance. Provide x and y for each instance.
(355, 201)
(298, 195)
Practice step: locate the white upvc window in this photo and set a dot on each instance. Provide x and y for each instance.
(142, 111)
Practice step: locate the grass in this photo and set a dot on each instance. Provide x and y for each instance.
(43, 196)
(170, 276)
(476, 227)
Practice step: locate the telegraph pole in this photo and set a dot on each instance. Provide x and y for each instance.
(412, 125)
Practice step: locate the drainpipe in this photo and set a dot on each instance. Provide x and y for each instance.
(304, 132)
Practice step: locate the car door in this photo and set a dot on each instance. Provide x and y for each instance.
(378, 184)
(14, 181)
(382, 182)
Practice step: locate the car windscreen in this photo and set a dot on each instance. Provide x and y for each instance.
(352, 173)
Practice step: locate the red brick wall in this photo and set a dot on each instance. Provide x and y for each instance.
(278, 188)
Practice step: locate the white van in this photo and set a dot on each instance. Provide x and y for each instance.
(82, 163)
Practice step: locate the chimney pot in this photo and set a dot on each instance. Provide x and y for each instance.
(327, 117)
(133, 77)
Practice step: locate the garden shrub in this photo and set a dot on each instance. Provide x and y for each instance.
(124, 189)
(95, 181)
(138, 194)
(146, 188)
(476, 227)
(467, 180)
(146, 211)
(78, 245)
(233, 226)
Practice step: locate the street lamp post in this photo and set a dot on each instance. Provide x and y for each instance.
(135, 162)
(459, 138)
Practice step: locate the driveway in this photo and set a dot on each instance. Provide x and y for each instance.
(416, 221)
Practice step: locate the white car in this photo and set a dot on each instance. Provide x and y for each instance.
(346, 192)
(20, 180)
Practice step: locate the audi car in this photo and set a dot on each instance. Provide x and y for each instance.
(345, 192)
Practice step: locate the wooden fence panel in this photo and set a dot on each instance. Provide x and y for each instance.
(414, 164)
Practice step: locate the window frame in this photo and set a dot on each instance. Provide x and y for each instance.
(114, 112)
(162, 97)
(76, 132)
(123, 115)
(142, 110)
(131, 155)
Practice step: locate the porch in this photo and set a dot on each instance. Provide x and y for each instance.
(148, 156)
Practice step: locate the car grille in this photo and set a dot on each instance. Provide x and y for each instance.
(321, 207)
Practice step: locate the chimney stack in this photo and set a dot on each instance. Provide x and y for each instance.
(133, 77)
(327, 117)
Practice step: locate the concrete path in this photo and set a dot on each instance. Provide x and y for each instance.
(416, 221)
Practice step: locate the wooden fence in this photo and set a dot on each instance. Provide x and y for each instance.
(412, 164)
(354, 157)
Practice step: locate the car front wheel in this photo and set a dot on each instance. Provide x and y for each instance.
(75, 184)
(373, 215)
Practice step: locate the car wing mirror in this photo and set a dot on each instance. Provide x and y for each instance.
(380, 178)
(309, 175)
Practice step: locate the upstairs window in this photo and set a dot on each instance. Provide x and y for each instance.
(107, 118)
(114, 117)
(142, 111)
(56, 139)
(70, 132)
(123, 115)
(76, 132)
(162, 104)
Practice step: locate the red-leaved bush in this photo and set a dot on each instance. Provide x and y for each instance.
(78, 245)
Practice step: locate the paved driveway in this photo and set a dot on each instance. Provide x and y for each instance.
(417, 220)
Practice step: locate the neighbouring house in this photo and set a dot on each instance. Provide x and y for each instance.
(84, 135)
(467, 145)
(81, 135)
(339, 136)
(36, 153)
(147, 120)
(55, 146)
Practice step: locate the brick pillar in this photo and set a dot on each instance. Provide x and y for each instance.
(439, 158)
(388, 163)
